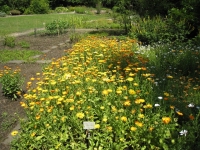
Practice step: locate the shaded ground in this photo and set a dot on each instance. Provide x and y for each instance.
(10, 110)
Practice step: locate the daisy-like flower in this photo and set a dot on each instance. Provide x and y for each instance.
(191, 105)
(160, 97)
(166, 120)
(14, 133)
(80, 115)
(183, 132)
(157, 105)
(124, 119)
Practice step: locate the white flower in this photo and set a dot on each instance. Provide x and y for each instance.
(183, 132)
(157, 105)
(160, 97)
(191, 105)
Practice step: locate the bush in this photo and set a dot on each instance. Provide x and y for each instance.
(56, 27)
(61, 9)
(9, 41)
(11, 81)
(151, 30)
(38, 7)
(2, 14)
(15, 12)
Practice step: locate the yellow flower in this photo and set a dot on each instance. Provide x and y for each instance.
(141, 115)
(97, 126)
(166, 120)
(133, 128)
(129, 79)
(105, 92)
(127, 103)
(78, 93)
(147, 106)
(33, 134)
(132, 92)
(166, 94)
(124, 119)
(179, 113)
(169, 77)
(14, 133)
(139, 101)
(119, 92)
(139, 124)
(104, 119)
(80, 115)
(109, 128)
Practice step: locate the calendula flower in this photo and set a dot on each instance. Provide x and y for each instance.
(127, 103)
(129, 79)
(133, 128)
(97, 126)
(139, 124)
(166, 120)
(124, 119)
(132, 92)
(183, 132)
(14, 133)
(169, 77)
(141, 115)
(80, 115)
(160, 97)
(166, 94)
(179, 113)
(191, 117)
(139, 101)
(105, 92)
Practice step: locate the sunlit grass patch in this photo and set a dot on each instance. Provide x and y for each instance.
(108, 82)
(25, 55)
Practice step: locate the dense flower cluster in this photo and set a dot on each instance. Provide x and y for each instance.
(100, 80)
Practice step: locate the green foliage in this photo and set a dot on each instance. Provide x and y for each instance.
(38, 7)
(150, 30)
(2, 14)
(61, 9)
(5, 8)
(56, 27)
(15, 12)
(9, 41)
(11, 81)
(80, 10)
(24, 44)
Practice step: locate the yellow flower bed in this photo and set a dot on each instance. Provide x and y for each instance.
(100, 80)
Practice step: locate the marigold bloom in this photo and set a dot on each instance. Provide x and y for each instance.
(80, 115)
(166, 120)
(179, 113)
(139, 124)
(127, 103)
(191, 117)
(14, 133)
(139, 101)
(97, 126)
(132, 92)
(105, 92)
(129, 79)
(133, 128)
(124, 119)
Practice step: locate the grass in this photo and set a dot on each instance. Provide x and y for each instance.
(23, 23)
(7, 55)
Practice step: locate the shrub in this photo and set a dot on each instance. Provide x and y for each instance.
(24, 44)
(11, 81)
(15, 12)
(2, 14)
(9, 41)
(61, 9)
(80, 10)
(56, 27)
(38, 7)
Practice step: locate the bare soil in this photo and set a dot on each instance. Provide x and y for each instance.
(10, 110)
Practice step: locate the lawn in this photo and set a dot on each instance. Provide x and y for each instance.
(23, 23)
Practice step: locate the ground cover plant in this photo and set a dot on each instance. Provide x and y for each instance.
(117, 85)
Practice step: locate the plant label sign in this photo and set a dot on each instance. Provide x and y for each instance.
(88, 125)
